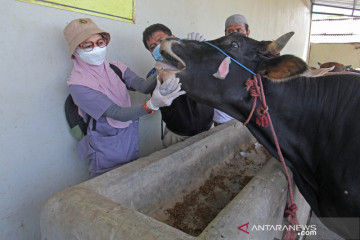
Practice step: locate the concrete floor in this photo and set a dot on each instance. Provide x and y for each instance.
(322, 232)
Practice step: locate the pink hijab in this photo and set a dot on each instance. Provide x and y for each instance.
(103, 79)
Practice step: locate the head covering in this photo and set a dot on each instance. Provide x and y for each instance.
(234, 19)
(103, 79)
(79, 30)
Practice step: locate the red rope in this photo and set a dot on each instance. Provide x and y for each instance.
(263, 119)
(250, 85)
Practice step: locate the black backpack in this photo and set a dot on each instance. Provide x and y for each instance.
(78, 127)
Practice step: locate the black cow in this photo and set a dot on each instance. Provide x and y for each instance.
(316, 119)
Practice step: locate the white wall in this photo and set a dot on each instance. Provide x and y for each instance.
(38, 155)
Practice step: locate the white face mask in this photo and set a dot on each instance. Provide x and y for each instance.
(95, 57)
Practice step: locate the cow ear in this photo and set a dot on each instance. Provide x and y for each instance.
(283, 67)
(274, 47)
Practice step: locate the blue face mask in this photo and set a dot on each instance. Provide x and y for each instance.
(156, 53)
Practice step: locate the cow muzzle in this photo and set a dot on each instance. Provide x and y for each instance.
(171, 60)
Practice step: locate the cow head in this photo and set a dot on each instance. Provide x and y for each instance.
(209, 77)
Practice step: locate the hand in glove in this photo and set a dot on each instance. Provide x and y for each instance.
(169, 86)
(196, 36)
(157, 100)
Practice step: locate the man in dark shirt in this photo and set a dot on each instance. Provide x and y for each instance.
(184, 117)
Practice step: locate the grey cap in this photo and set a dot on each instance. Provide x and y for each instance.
(236, 18)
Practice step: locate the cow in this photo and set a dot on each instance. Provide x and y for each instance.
(315, 118)
(337, 67)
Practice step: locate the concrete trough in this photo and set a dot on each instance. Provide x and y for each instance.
(213, 182)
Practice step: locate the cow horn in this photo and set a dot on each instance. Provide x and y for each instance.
(276, 46)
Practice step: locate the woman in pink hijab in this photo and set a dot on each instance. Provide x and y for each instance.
(112, 135)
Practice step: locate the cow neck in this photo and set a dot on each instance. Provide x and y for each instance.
(257, 91)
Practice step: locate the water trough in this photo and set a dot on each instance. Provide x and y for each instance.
(202, 188)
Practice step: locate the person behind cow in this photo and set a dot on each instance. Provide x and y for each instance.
(235, 23)
(112, 135)
(185, 117)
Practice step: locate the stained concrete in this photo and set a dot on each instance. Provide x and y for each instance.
(120, 203)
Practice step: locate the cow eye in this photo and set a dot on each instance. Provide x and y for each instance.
(234, 45)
